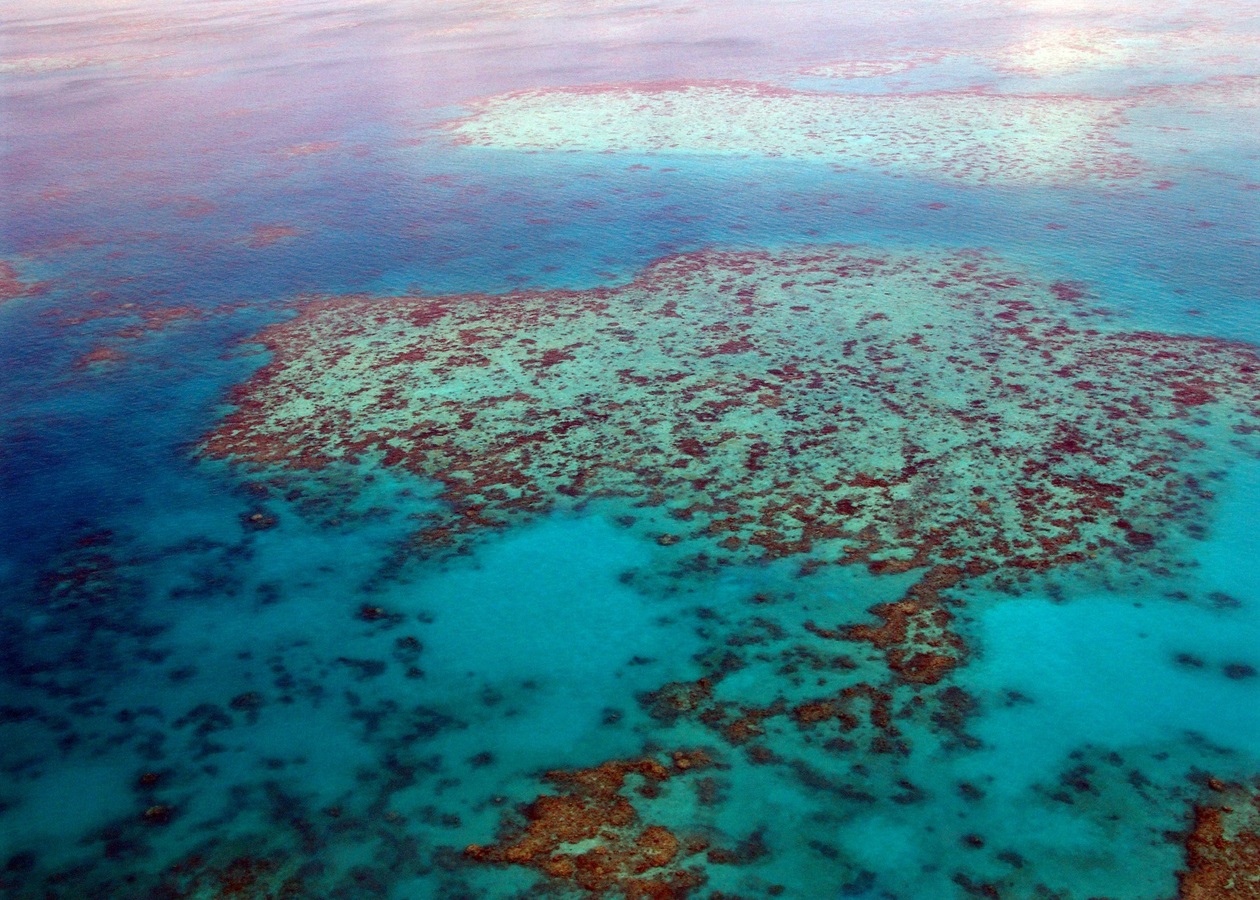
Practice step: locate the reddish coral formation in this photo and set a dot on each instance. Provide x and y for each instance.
(151, 319)
(158, 814)
(156, 318)
(746, 724)
(685, 760)
(814, 711)
(591, 836)
(263, 236)
(1223, 848)
(258, 520)
(679, 699)
(12, 287)
(148, 320)
(855, 706)
(914, 633)
(99, 356)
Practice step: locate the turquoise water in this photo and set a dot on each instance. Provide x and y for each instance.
(223, 679)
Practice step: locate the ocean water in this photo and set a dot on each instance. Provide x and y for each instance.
(635, 450)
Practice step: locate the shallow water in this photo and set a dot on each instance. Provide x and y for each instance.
(815, 455)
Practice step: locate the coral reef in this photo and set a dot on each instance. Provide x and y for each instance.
(263, 236)
(972, 137)
(1223, 848)
(941, 417)
(591, 835)
(942, 414)
(14, 287)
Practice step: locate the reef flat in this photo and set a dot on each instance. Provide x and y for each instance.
(828, 403)
(974, 137)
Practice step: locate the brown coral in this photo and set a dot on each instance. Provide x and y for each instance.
(590, 834)
(1223, 849)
